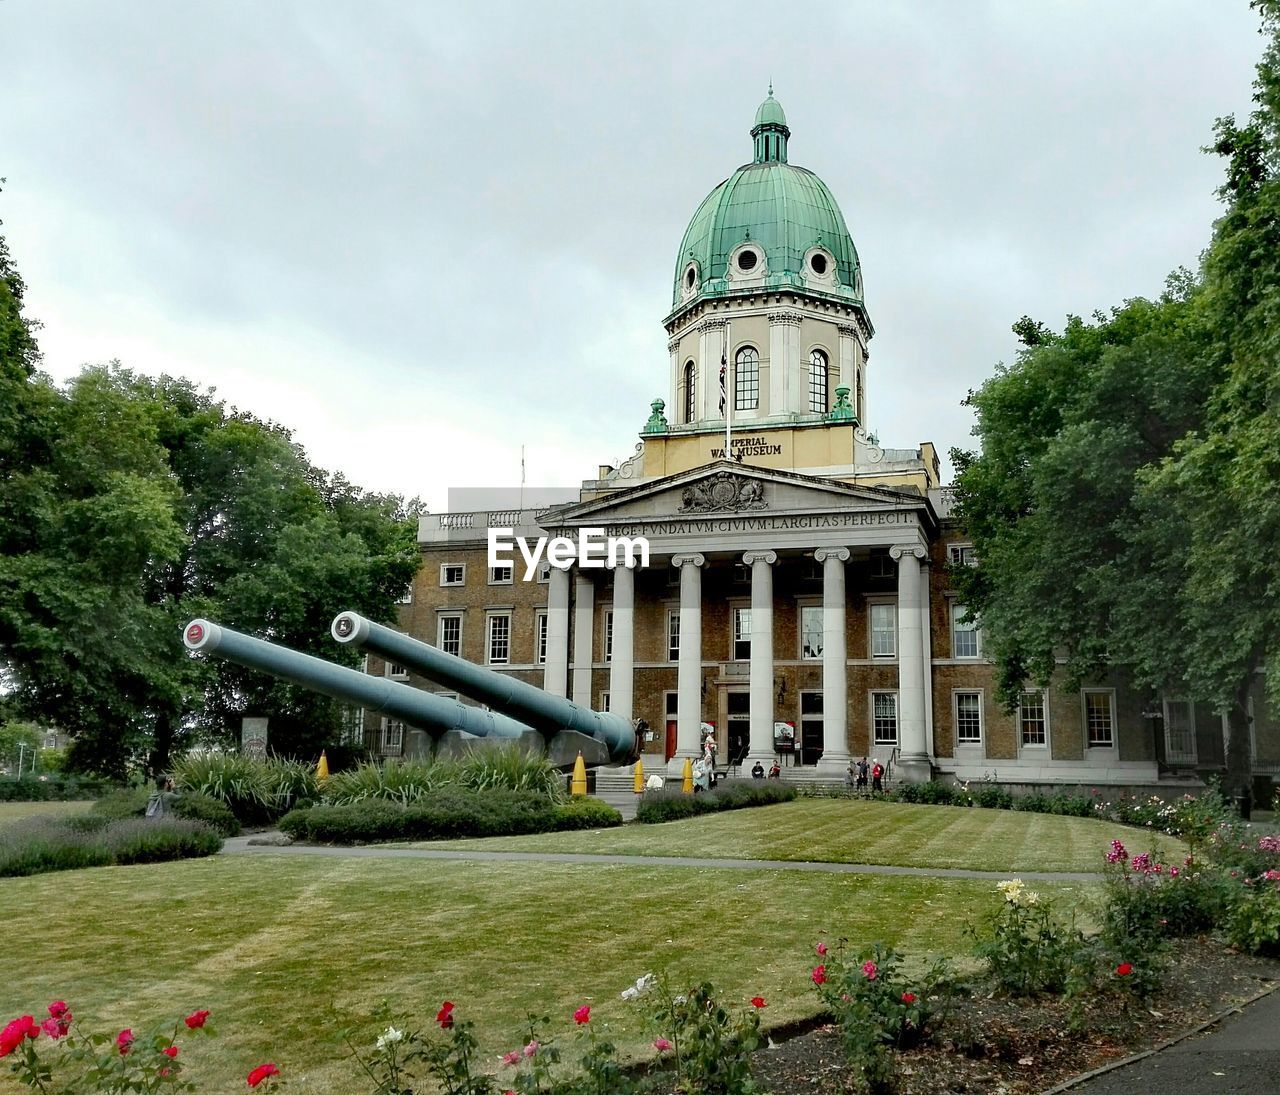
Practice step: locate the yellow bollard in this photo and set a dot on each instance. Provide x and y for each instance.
(322, 769)
(578, 786)
(687, 785)
(639, 776)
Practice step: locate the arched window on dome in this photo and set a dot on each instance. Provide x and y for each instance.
(746, 379)
(818, 382)
(690, 391)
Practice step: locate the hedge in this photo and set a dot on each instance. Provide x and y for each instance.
(443, 814)
(585, 813)
(37, 845)
(54, 788)
(734, 794)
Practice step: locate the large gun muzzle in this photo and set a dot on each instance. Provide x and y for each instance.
(603, 737)
(434, 714)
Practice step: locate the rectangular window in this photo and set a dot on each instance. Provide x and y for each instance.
(1179, 732)
(544, 573)
(499, 638)
(961, 555)
(673, 636)
(741, 634)
(449, 634)
(392, 736)
(540, 638)
(604, 701)
(882, 565)
(964, 634)
(397, 671)
(811, 631)
(608, 634)
(969, 718)
(453, 574)
(500, 576)
(884, 718)
(1033, 724)
(405, 598)
(1099, 717)
(884, 628)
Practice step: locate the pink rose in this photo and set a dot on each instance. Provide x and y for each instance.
(661, 1044)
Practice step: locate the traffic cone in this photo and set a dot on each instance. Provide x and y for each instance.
(578, 786)
(687, 785)
(639, 776)
(322, 769)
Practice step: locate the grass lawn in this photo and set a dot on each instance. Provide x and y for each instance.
(14, 811)
(857, 831)
(285, 950)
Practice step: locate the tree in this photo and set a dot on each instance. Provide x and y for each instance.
(1123, 505)
(19, 742)
(130, 504)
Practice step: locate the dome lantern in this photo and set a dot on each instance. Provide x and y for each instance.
(770, 131)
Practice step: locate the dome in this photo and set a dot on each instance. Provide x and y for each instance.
(787, 215)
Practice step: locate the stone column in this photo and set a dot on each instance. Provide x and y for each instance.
(622, 664)
(926, 645)
(786, 390)
(835, 687)
(584, 607)
(689, 667)
(913, 755)
(555, 670)
(761, 563)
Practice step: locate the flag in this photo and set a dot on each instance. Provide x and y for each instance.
(724, 365)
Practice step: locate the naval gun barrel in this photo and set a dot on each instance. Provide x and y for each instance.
(548, 714)
(434, 714)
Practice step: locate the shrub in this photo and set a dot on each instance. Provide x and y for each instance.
(37, 845)
(1146, 901)
(511, 768)
(1026, 951)
(444, 814)
(672, 805)
(993, 798)
(256, 791)
(122, 803)
(395, 781)
(931, 793)
(874, 1008)
(157, 840)
(585, 813)
(1253, 923)
(212, 811)
(54, 787)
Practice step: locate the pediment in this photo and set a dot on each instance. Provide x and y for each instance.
(727, 488)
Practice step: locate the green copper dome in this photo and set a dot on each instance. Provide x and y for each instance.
(786, 212)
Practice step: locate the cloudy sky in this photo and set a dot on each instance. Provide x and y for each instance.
(422, 235)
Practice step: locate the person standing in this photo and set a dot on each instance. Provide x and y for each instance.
(877, 776)
(861, 785)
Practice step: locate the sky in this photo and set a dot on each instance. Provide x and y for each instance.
(424, 236)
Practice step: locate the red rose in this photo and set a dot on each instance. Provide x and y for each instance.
(124, 1039)
(1124, 969)
(758, 1002)
(196, 1019)
(582, 1015)
(170, 1051)
(908, 997)
(12, 1035)
(821, 948)
(445, 1015)
(819, 975)
(261, 1073)
(58, 1009)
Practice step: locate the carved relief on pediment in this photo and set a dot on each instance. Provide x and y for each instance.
(723, 491)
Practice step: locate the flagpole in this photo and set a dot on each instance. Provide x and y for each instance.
(728, 396)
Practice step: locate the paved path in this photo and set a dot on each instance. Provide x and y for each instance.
(241, 846)
(1238, 1056)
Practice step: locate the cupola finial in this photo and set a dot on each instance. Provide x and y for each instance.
(770, 131)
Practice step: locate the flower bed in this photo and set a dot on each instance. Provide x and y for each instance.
(734, 794)
(37, 845)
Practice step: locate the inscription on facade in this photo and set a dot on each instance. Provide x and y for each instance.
(762, 523)
(748, 446)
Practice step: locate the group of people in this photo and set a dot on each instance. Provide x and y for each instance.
(775, 771)
(856, 776)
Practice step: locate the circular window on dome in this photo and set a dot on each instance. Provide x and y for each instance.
(818, 264)
(747, 260)
(689, 275)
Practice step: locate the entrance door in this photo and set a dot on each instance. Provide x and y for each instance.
(738, 716)
(810, 727)
(671, 701)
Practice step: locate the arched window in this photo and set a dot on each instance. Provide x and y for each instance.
(746, 379)
(818, 382)
(690, 392)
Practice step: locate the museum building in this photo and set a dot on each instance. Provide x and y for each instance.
(797, 599)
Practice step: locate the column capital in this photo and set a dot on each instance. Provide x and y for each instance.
(695, 558)
(624, 564)
(823, 554)
(767, 556)
(898, 551)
